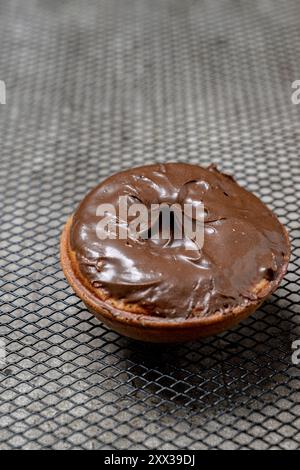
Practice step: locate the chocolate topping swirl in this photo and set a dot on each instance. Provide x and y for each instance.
(244, 243)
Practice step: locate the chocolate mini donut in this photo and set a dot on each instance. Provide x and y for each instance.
(171, 290)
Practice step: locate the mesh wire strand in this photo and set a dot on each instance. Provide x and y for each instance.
(97, 86)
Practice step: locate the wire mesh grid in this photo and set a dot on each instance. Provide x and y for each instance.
(97, 86)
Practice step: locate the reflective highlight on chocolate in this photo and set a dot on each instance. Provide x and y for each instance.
(244, 243)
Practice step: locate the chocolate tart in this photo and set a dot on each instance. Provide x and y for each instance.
(159, 291)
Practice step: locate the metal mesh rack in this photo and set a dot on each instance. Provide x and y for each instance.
(96, 86)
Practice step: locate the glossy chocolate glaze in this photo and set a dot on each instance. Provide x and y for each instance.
(244, 243)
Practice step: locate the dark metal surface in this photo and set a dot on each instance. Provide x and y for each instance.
(96, 86)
